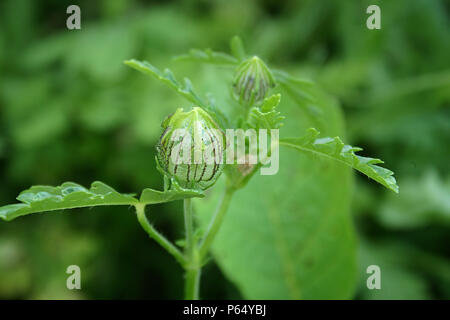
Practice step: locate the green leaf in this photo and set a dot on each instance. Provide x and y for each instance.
(208, 56)
(290, 235)
(150, 196)
(214, 57)
(185, 91)
(296, 86)
(284, 77)
(309, 97)
(168, 79)
(335, 149)
(69, 195)
(266, 116)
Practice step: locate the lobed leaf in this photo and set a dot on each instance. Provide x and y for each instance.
(335, 149)
(217, 58)
(303, 247)
(309, 97)
(185, 90)
(285, 240)
(69, 195)
(150, 196)
(284, 77)
(295, 87)
(266, 116)
(168, 79)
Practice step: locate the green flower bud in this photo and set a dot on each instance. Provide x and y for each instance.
(252, 81)
(191, 148)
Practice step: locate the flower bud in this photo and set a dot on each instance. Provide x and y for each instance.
(191, 148)
(252, 81)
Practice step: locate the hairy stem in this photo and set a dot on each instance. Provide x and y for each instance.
(192, 283)
(216, 222)
(166, 244)
(193, 267)
(189, 227)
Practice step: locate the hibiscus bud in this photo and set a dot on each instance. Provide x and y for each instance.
(191, 148)
(252, 81)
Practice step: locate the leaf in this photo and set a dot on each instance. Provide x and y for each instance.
(266, 116)
(208, 56)
(284, 77)
(301, 87)
(290, 235)
(150, 196)
(70, 195)
(67, 196)
(168, 79)
(214, 57)
(185, 91)
(309, 97)
(334, 148)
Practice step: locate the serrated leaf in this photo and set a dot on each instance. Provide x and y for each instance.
(168, 79)
(266, 116)
(284, 77)
(296, 87)
(69, 195)
(309, 97)
(208, 56)
(290, 235)
(335, 149)
(150, 196)
(186, 90)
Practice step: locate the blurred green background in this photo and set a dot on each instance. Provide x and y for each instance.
(71, 111)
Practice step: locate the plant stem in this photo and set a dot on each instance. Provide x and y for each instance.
(193, 267)
(189, 227)
(166, 244)
(216, 222)
(192, 282)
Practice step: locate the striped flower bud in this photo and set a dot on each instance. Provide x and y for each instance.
(252, 81)
(191, 148)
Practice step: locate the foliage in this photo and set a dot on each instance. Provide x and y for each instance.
(334, 148)
(69, 110)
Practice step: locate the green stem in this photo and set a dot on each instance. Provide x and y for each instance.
(216, 222)
(193, 267)
(189, 227)
(166, 244)
(192, 282)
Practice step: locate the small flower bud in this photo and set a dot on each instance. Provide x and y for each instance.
(191, 148)
(252, 81)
